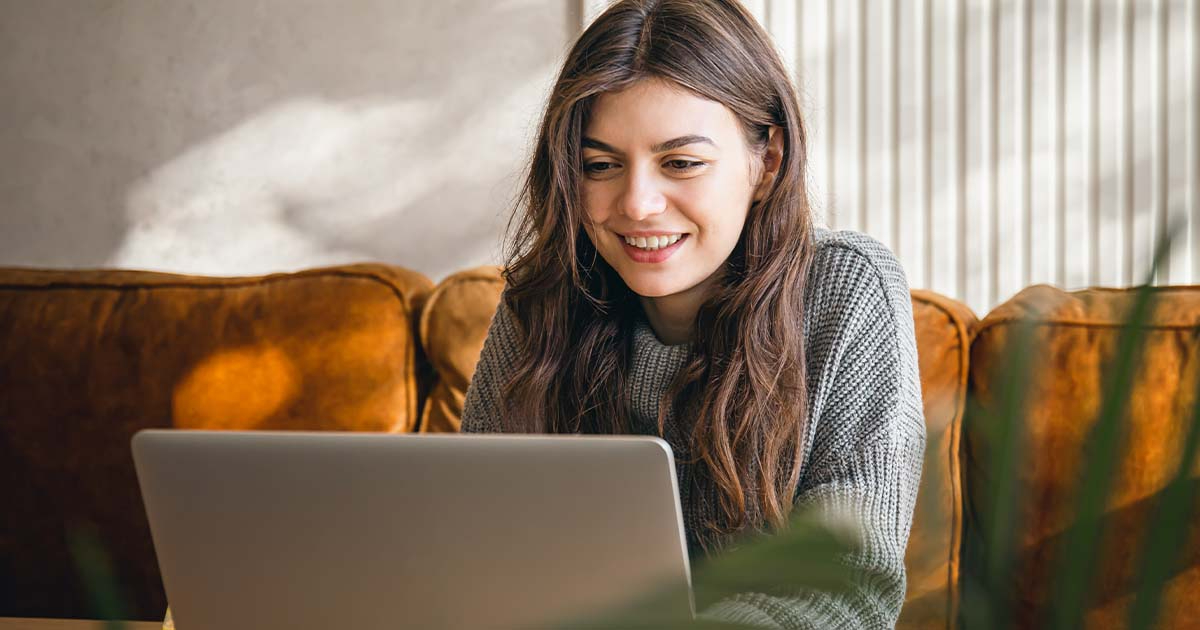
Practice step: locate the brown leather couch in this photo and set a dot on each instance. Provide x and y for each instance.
(87, 358)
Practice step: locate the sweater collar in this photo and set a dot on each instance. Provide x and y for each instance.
(645, 341)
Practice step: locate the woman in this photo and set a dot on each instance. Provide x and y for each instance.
(665, 278)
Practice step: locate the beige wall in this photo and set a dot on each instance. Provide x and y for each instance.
(247, 136)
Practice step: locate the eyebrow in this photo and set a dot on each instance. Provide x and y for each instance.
(673, 143)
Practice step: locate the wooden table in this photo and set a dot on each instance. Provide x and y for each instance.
(13, 623)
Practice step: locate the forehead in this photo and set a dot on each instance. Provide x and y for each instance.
(654, 110)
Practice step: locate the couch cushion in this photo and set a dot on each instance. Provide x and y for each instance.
(1076, 335)
(455, 323)
(944, 329)
(87, 358)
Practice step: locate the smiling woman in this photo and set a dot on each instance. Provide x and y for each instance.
(683, 200)
(665, 278)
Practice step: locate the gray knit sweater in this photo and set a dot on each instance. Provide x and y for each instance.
(863, 446)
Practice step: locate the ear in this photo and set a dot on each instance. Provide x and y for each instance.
(772, 160)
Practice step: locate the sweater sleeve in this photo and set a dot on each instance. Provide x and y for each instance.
(481, 409)
(867, 441)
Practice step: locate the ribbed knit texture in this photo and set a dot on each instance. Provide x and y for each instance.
(863, 446)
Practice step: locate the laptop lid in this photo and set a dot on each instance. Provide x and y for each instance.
(272, 530)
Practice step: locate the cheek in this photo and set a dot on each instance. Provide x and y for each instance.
(594, 217)
(719, 211)
(594, 206)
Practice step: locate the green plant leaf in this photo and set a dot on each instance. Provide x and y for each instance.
(988, 594)
(1167, 531)
(1079, 553)
(805, 555)
(96, 573)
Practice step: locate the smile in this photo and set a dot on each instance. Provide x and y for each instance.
(652, 243)
(652, 249)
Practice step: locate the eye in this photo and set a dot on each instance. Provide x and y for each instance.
(598, 167)
(684, 165)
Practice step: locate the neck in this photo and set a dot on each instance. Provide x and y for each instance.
(673, 317)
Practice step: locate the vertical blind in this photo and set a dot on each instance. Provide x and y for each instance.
(994, 144)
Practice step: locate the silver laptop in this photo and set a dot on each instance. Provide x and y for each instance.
(298, 530)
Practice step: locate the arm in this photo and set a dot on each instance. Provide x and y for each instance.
(868, 442)
(481, 409)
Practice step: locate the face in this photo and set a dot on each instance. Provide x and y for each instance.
(667, 184)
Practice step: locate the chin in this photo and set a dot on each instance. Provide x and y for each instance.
(654, 287)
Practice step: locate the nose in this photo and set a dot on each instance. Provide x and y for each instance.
(641, 198)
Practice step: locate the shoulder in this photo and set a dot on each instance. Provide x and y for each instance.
(852, 272)
(844, 254)
(860, 342)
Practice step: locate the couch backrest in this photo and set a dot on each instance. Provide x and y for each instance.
(87, 358)
(1075, 338)
(455, 323)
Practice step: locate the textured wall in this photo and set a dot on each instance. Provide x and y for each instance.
(992, 143)
(245, 136)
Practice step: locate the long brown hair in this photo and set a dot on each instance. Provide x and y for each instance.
(744, 381)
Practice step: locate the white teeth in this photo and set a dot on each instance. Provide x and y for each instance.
(652, 243)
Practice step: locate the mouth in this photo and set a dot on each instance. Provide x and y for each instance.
(652, 248)
(652, 242)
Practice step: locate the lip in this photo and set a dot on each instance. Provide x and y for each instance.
(649, 233)
(656, 256)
